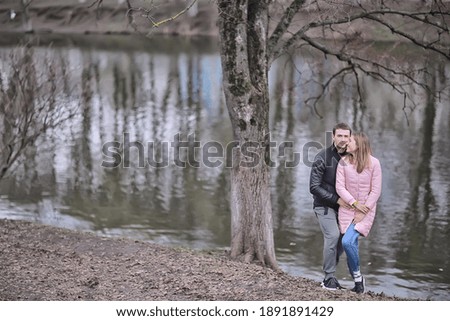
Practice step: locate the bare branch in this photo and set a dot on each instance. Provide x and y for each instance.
(410, 37)
(96, 2)
(283, 25)
(157, 24)
(380, 73)
(28, 98)
(325, 86)
(146, 12)
(423, 17)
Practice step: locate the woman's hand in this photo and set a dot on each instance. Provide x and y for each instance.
(361, 208)
(358, 217)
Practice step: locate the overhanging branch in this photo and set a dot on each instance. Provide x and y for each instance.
(283, 25)
(159, 23)
(424, 45)
(380, 73)
(424, 17)
(147, 13)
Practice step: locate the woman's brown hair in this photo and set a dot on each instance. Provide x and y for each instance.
(361, 157)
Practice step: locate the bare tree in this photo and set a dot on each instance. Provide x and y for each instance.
(253, 33)
(30, 103)
(26, 19)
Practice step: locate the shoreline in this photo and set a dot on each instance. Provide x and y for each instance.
(75, 17)
(41, 262)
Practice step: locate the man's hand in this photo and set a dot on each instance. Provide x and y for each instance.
(342, 203)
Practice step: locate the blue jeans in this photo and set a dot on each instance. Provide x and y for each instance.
(351, 248)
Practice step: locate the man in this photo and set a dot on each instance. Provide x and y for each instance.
(322, 185)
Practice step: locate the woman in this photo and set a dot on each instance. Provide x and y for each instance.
(358, 183)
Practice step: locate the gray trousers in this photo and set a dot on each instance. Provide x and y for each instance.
(332, 247)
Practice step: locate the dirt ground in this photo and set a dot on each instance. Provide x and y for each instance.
(42, 263)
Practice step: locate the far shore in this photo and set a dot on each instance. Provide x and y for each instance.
(79, 17)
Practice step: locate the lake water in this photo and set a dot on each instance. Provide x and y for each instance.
(154, 89)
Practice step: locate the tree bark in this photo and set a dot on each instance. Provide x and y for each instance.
(243, 27)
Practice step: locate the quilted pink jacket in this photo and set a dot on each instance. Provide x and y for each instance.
(364, 187)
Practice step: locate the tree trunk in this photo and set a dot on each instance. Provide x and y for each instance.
(26, 20)
(243, 30)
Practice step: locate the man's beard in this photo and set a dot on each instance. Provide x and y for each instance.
(341, 149)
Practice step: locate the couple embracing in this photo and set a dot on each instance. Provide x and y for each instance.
(346, 184)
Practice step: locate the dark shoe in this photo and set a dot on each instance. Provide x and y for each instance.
(331, 284)
(359, 286)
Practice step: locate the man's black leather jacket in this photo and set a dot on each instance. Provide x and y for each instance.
(322, 183)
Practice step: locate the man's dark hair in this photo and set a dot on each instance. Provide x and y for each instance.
(341, 126)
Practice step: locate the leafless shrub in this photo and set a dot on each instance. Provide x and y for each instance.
(31, 102)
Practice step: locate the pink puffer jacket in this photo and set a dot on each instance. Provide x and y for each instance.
(364, 188)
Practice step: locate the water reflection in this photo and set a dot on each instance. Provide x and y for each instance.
(154, 92)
